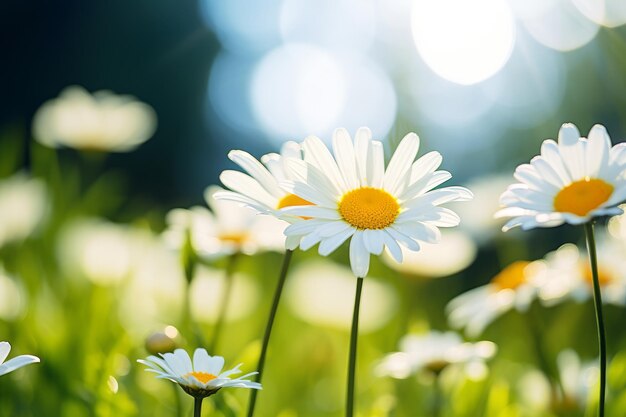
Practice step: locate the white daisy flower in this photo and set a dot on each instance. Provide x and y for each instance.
(565, 275)
(260, 188)
(13, 363)
(200, 378)
(572, 181)
(512, 288)
(226, 229)
(23, 206)
(433, 352)
(356, 197)
(102, 121)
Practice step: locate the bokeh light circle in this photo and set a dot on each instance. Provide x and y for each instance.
(243, 26)
(297, 89)
(343, 25)
(561, 26)
(609, 13)
(463, 41)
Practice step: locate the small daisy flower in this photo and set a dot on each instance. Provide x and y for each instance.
(14, 363)
(103, 121)
(259, 188)
(565, 275)
(512, 288)
(226, 229)
(199, 378)
(355, 197)
(23, 206)
(433, 352)
(572, 181)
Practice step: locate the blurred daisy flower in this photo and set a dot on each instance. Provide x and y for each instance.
(101, 251)
(572, 181)
(259, 188)
(199, 378)
(455, 252)
(226, 229)
(317, 293)
(578, 378)
(512, 288)
(23, 205)
(14, 363)
(434, 352)
(565, 275)
(356, 198)
(102, 121)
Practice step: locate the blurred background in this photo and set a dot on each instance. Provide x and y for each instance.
(87, 272)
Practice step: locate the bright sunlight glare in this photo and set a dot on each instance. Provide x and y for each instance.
(464, 42)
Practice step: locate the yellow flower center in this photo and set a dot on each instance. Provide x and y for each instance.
(234, 238)
(369, 208)
(203, 377)
(291, 200)
(583, 196)
(511, 277)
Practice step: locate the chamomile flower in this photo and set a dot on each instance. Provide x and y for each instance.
(512, 288)
(199, 378)
(226, 229)
(13, 363)
(259, 188)
(572, 181)
(433, 352)
(355, 197)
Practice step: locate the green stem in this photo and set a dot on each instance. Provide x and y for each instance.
(437, 396)
(228, 287)
(597, 301)
(268, 328)
(197, 407)
(354, 333)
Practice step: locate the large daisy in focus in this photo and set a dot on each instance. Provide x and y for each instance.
(572, 181)
(512, 288)
(226, 229)
(259, 188)
(356, 197)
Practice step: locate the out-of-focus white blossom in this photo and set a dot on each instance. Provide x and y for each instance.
(102, 121)
(434, 351)
(12, 300)
(226, 229)
(101, 251)
(207, 295)
(512, 288)
(318, 292)
(23, 205)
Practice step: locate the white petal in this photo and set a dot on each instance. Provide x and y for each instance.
(328, 245)
(598, 149)
(256, 171)
(362, 152)
(400, 163)
(314, 212)
(248, 186)
(345, 157)
(359, 256)
(392, 246)
(200, 360)
(5, 348)
(310, 240)
(373, 241)
(572, 150)
(376, 165)
(215, 365)
(427, 164)
(17, 362)
(318, 154)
